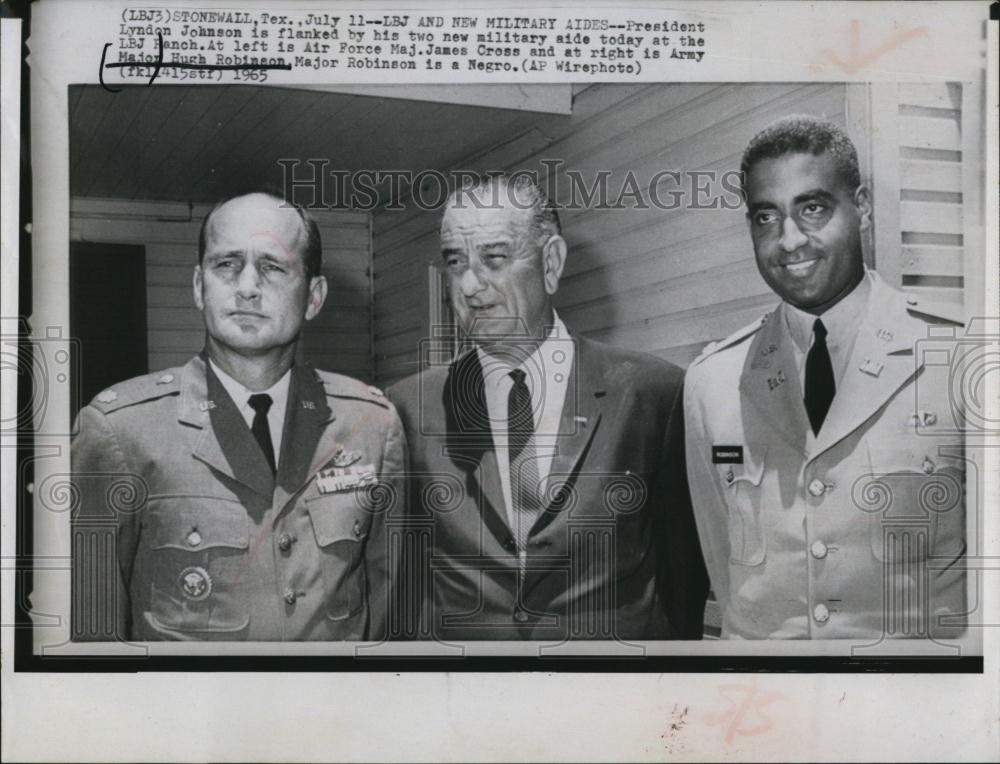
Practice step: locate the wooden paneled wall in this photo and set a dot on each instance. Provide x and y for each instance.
(339, 339)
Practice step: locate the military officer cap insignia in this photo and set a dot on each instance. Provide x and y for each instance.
(108, 396)
(166, 379)
(195, 583)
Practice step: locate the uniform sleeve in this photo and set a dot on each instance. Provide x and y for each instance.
(104, 530)
(709, 504)
(382, 556)
(683, 581)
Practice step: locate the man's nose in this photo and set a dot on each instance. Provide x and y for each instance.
(248, 285)
(791, 235)
(471, 283)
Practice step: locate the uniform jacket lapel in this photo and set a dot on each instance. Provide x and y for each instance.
(882, 361)
(306, 442)
(226, 443)
(770, 382)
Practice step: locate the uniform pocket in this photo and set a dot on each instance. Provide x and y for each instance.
(741, 487)
(916, 501)
(341, 526)
(198, 555)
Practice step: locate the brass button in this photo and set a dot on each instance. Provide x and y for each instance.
(818, 550)
(284, 542)
(817, 488)
(730, 476)
(290, 596)
(520, 616)
(821, 613)
(357, 528)
(928, 466)
(194, 538)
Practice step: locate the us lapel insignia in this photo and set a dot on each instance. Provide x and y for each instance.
(309, 405)
(580, 420)
(206, 405)
(776, 380)
(873, 368)
(884, 335)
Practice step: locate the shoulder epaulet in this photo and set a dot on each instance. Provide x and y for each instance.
(341, 386)
(934, 311)
(138, 390)
(736, 337)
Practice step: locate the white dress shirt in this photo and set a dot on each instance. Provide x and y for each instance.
(241, 397)
(842, 322)
(546, 372)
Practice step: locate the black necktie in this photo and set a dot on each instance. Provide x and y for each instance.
(261, 404)
(820, 386)
(524, 479)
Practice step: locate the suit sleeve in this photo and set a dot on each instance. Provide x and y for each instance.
(710, 512)
(104, 530)
(382, 555)
(683, 580)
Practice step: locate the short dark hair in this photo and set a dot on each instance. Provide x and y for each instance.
(544, 221)
(803, 134)
(312, 257)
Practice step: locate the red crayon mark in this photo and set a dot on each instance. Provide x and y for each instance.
(745, 714)
(856, 60)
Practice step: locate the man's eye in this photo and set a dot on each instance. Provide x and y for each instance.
(225, 265)
(764, 218)
(272, 268)
(814, 208)
(452, 261)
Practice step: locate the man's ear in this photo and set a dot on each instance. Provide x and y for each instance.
(553, 262)
(317, 296)
(196, 284)
(863, 203)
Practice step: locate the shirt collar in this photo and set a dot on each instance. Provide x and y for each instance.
(841, 321)
(543, 358)
(241, 394)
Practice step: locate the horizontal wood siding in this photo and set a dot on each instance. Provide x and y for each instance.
(339, 339)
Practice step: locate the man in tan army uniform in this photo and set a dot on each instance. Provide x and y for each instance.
(242, 496)
(824, 455)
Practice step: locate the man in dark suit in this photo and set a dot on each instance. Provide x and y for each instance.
(549, 492)
(242, 496)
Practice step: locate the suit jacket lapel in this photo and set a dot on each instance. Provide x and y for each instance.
(469, 439)
(581, 414)
(882, 361)
(770, 382)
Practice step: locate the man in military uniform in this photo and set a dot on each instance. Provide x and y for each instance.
(824, 457)
(549, 468)
(243, 496)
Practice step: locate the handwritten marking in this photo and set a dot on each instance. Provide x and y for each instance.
(159, 64)
(856, 60)
(744, 700)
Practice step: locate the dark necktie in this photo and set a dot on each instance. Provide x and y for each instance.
(820, 386)
(524, 479)
(261, 404)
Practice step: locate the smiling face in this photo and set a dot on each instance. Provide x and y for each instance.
(806, 222)
(251, 285)
(501, 278)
